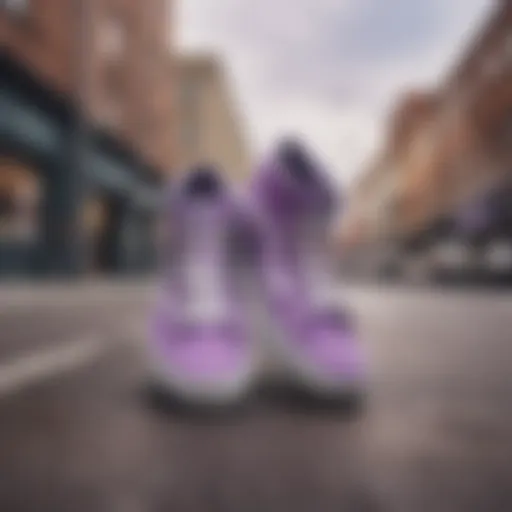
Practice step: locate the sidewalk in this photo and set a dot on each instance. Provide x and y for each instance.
(34, 293)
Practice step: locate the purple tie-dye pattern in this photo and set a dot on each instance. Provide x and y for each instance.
(198, 349)
(320, 336)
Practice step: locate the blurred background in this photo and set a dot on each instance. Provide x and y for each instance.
(409, 103)
(98, 109)
(434, 202)
(102, 102)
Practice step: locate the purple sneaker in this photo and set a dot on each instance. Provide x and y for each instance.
(199, 348)
(294, 202)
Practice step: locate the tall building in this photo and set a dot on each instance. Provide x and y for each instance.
(210, 127)
(445, 147)
(86, 108)
(131, 82)
(111, 55)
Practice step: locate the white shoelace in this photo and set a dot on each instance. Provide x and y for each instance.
(206, 298)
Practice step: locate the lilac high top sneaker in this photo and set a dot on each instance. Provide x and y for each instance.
(314, 333)
(199, 347)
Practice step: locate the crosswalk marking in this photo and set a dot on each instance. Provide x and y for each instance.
(38, 366)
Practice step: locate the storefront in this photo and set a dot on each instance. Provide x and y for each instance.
(20, 199)
(67, 210)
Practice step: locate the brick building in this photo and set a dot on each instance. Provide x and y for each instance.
(121, 50)
(91, 81)
(131, 77)
(444, 146)
(210, 128)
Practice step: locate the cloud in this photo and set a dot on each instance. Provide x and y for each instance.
(328, 68)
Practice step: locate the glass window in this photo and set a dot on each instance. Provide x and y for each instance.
(19, 200)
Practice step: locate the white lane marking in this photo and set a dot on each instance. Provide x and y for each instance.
(62, 296)
(14, 303)
(30, 369)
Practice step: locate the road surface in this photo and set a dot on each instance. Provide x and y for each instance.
(78, 433)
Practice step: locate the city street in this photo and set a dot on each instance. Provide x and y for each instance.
(78, 432)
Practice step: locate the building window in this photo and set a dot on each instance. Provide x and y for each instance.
(112, 38)
(17, 7)
(19, 202)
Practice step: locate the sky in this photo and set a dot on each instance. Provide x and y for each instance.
(328, 70)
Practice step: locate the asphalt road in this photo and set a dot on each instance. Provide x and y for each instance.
(78, 433)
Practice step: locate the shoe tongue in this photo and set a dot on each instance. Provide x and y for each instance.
(203, 259)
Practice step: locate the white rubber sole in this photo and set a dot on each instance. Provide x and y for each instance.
(231, 389)
(298, 372)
